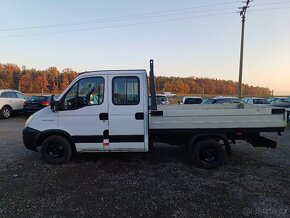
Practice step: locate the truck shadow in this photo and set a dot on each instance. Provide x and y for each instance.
(160, 153)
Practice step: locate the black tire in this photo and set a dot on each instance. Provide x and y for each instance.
(56, 150)
(208, 154)
(6, 112)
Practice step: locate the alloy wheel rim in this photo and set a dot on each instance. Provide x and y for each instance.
(55, 150)
(209, 154)
(6, 112)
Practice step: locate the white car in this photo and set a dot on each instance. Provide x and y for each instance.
(11, 101)
(160, 100)
(169, 94)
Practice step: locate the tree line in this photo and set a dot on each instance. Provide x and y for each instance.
(52, 80)
(201, 86)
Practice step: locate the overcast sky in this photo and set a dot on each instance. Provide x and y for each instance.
(184, 37)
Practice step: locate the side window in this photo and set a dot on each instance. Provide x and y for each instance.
(19, 95)
(11, 95)
(4, 95)
(126, 90)
(91, 91)
(85, 92)
(70, 98)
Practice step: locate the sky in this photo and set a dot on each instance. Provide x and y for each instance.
(185, 38)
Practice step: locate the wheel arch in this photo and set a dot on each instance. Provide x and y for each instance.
(41, 137)
(7, 105)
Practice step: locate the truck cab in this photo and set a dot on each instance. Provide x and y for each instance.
(99, 111)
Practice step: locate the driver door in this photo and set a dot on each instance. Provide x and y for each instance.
(84, 113)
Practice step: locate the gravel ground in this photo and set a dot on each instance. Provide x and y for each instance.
(254, 182)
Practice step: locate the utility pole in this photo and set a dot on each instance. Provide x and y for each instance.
(243, 15)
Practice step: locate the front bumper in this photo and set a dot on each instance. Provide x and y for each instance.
(29, 138)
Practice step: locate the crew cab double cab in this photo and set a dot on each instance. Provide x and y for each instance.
(11, 101)
(107, 111)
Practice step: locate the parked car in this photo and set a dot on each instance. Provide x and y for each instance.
(255, 100)
(35, 103)
(160, 99)
(276, 99)
(169, 94)
(285, 104)
(191, 100)
(223, 100)
(11, 101)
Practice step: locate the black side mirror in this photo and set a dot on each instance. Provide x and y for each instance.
(55, 105)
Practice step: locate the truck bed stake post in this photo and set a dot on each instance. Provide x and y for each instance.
(152, 87)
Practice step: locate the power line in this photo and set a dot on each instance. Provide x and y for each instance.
(141, 16)
(114, 18)
(122, 25)
(269, 9)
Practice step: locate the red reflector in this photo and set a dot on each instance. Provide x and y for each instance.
(45, 103)
(106, 142)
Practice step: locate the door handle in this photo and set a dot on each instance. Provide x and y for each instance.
(104, 116)
(139, 116)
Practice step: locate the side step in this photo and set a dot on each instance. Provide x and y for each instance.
(260, 141)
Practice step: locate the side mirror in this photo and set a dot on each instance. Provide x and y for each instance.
(54, 104)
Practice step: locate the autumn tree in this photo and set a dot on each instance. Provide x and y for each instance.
(41, 83)
(25, 83)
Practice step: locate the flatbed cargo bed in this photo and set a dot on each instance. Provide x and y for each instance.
(230, 116)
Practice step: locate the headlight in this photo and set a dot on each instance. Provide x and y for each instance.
(28, 121)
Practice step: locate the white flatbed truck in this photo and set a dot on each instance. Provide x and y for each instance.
(107, 111)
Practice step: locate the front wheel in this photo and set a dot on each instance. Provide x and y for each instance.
(208, 154)
(6, 112)
(56, 150)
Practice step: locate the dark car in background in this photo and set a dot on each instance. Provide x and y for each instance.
(191, 100)
(256, 100)
(284, 104)
(35, 103)
(223, 100)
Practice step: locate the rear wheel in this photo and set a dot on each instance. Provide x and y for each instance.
(6, 112)
(56, 150)
(208, 154)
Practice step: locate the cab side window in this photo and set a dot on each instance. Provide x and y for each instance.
(126, 90)
(86, 92)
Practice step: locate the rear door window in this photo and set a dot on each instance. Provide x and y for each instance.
(11, 95)
(126, 90)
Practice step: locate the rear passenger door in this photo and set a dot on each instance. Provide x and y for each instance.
(13, 101)
(128, 122)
